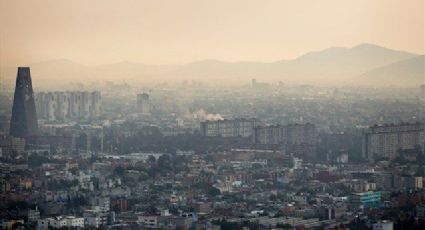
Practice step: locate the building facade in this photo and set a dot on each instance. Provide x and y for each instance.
(387, 140)
(383, 225)
(65, 106)
(229, 128)
(366, 200)
(299, 139)
(11, 146)
(143, 103)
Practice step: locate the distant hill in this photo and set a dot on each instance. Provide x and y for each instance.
(409, 72)
(135, 68)
(335, 65)
(332, 65)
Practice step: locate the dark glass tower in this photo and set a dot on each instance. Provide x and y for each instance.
(24, 118)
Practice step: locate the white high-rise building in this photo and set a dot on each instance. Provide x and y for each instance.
(64, 106)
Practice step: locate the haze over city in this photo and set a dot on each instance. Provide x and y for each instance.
(138, 34)
(212, 115)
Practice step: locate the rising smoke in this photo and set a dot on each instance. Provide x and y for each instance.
(201, 115)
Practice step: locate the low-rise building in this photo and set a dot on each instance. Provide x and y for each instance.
(366, 200)
(383, 225)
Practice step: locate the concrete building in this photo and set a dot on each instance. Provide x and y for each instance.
(96, 218)
(286, 134)
(143, 103)
(229, 128)
(366, 200)
(33, 215)
(60, 222)
(258, 85)
(383, 225)
(386, 140)
(297, 139)
(420, 211)
(10, 146)
(65, 106)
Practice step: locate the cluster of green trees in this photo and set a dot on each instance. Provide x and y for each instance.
(36, 160)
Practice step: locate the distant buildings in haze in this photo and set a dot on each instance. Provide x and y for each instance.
(143, 103)
(258, 85)
(298, 139)
(285, 134)
(229, 128)
(65, 106)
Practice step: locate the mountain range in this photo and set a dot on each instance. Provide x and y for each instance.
(364, 64)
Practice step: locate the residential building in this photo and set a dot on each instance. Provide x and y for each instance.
(383, 225)
(386, 140)
(143, 103)
(229, 128)
(366, 200)
(66, 106)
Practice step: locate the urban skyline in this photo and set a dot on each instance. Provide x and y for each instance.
(324, 129)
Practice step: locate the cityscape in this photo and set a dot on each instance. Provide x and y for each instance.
(331, 139)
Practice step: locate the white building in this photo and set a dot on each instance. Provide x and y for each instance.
(148, 221)
(64, 106)
(383, 225)
(95, 218)
(60, 222)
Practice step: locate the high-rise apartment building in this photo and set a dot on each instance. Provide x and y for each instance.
(299, 139)
(143, 104)
(23, 123)
(386, 140)
(64, 106)
(229, 128)
(285, 134)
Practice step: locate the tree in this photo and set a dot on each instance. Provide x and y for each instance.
(151, 159)
(35, 160)
(213, 191)
(284, 226)
(120, 171)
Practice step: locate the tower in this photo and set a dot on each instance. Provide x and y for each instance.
(23, 123)
(143, 104)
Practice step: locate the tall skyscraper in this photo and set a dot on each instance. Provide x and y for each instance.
(24, 117)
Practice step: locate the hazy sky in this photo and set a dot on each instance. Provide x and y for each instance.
(179, 31)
